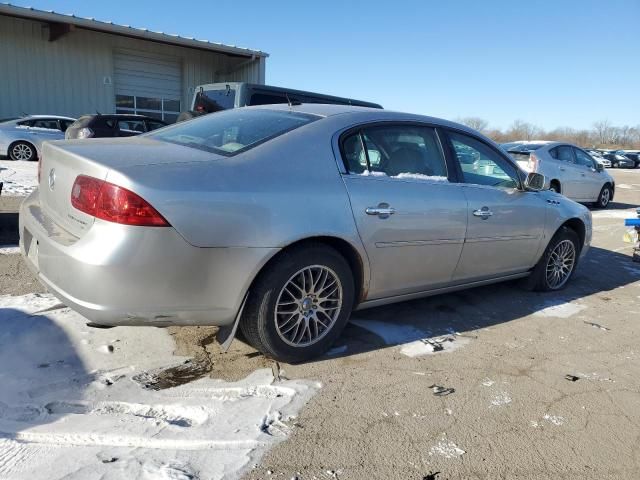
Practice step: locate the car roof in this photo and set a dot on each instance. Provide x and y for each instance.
(122, 115)
(367, 113)
(35, 117)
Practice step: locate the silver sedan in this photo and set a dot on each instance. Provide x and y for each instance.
(281, 220)
(22, 138)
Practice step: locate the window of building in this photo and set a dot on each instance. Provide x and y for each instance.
(166, 109)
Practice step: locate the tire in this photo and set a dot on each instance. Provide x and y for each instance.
(606, 194)
(614, 164)
(539, 280)
(22, 151)
(282, 325)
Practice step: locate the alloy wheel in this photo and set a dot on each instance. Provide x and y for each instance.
(560, 264)
(308, 305)
(22, 151)
(605, 197)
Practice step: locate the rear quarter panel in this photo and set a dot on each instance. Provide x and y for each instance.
(279, 192)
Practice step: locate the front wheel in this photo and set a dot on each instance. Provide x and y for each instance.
(559, 261)
(606, 194)
(299, 306)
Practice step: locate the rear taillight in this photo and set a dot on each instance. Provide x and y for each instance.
(533, 162)
(110, 202)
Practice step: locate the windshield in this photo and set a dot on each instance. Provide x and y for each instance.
(233, 131)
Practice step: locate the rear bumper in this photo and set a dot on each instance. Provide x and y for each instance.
(123, 275)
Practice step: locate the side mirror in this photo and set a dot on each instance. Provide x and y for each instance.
(534, 182)
(599, 167)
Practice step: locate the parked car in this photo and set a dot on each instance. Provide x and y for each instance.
(570, 171)
(281, 220)
(21, 139)
(215, 97)
(618, 160)
(631, 155)
(599, 158)
(115, 125)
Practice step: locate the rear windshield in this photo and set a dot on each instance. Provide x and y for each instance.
(527, 147)
(233, 131)
(210, 101)
(82, 121)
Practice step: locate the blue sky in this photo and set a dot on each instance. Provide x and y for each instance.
(552, 63)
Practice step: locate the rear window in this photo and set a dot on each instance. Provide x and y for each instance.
(233, 131)
(527, 147)
(215, 100)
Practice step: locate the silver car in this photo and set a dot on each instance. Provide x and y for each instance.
(281, 220)
(21, 139)
(569, 170)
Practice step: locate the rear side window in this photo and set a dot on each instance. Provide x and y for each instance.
(45, 123)
(136, 126)
(233, 131)
(396, 151)
(564, 153)
(267, 99)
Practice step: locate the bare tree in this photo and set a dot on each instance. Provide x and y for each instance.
(521, 130)
(476, 123)
(603, 131)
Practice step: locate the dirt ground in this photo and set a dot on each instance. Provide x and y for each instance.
(540, 386)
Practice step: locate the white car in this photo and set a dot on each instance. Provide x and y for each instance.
(569, 170)
(605, 162)
(21, 139)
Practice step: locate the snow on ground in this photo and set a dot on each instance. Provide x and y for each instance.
(20, 178)
(559, 310)
(414, 342)
(73, 403)
(9, 249)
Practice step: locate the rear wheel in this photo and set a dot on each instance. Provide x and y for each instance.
(300, 304)
(556, 267)
(606, 194)
(22, 151)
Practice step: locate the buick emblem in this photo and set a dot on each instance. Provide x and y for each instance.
(52, 178)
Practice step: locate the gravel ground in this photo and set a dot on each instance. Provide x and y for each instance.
(539, 386)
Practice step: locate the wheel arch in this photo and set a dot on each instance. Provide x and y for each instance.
(578, 227)
(342, 246)
(557, 182)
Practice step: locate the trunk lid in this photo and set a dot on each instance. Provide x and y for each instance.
(522, 159)
(62, 162)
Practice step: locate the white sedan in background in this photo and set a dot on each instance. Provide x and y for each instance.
(21, 139)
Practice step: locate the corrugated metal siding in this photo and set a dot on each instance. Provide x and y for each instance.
(67, 77)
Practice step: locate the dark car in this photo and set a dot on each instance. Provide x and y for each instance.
(618, 160)
(633, 156)
(117, 125)
(215, 97)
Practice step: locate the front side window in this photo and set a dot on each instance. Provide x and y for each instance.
(564, 153)
(481, 164)
(233, 131)
(583, 159)
(396, 151)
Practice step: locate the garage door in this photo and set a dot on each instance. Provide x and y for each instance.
(147, 84)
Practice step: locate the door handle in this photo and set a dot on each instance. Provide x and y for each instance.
(383, 210)
(483, 213)
(562, 169)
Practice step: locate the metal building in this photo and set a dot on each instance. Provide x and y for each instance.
(51, 63)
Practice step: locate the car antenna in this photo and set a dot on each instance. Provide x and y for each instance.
(98, 113)
(228, 92)
(25, 114)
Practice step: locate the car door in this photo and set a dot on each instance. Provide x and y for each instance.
(568, 172)
(410, 217)
(505, 224)
(592, 179)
